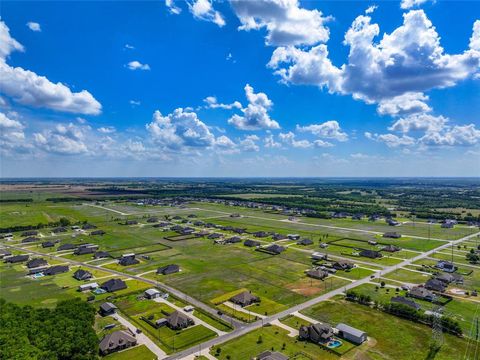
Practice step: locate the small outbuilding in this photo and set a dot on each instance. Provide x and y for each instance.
(168, 269)
(351, 334)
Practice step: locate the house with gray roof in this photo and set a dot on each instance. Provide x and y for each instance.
(271, 355)
(178, 320)
(244, 299)
(116, 341)
(316, 333)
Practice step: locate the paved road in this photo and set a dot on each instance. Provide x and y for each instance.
(196, 303)
(252, 326)
(141, 338)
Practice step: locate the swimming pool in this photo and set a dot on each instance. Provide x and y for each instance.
(332, 344)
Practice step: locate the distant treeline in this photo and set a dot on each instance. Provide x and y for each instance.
(15, 200)
(61, 222)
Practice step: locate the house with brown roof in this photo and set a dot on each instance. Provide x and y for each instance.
(178, 320)
(317, 333)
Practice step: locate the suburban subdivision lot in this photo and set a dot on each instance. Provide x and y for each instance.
(194, 239)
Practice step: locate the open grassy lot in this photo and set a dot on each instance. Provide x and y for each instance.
(140, 352)
(408, 276)
(294, 321)
(462, 310)
(395, 338)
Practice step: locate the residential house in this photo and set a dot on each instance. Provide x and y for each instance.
(60, 229)
(56, 269)
(30, 239)
(131, 222)
(351, 334)
(214, 236)
(391, 248)
(128, 260)
(168, 269)
(85, 249)
(305, 242)
(152, 293)
(82, 275)
(449, 278)
(372, 254)
(35, 263)
(293, 236)
(392, 235)
(97, 232)
(66, 247)
(275, 249)
(260, 234)
(101, 255)
(178, 320)
(152, 219)
(357, 216)
(30, 233)
(251, 243)
(422, 293)
(116, 341)
(317, 333)
(372, 242)
(16, 259)
(107, 308)
(4, 253)
(342, 265)
(47, 244)
(446, 266)
(405, 301)
(317, 273)
(319, 256)
(113, 285)
(88, 226)
(277, 237)
(244, 299)
(233, 240)
(392, 222)
(435, 285)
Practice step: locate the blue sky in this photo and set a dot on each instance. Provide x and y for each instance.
(240, 88)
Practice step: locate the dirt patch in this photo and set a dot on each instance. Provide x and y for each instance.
(307, 288)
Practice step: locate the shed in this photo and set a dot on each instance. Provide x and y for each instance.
(351, 334)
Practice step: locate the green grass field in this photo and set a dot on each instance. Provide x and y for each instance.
(140, 352)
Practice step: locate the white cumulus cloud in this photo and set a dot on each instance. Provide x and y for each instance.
(255, 115)
(34, 26)
(137, 65)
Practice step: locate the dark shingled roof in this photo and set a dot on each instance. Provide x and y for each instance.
(114, 285)
(16, 258)
(81, 274)
(168, 269)
(57, 269)
(244, 298)
(116, 340)
(178, 320)
(34, 263)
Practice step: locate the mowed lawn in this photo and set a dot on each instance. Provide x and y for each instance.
(140, 352)
(394, 338)
(269, 338)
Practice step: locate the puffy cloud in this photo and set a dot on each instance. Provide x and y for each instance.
(134, 102)
(249, 143)
(170, 4)
(129, 47)
(11, 133)
(289, 139)
(7, 43)
(307, 67)
(203, 10)
(106, 129)
(285, 21)
(419, 122)
(322, 143)
(464, 135)
(137, 65)
(408, 103)
(180, 129)
(212, 103)
(28, 88)
(255, 115)
(391, 140)
(34, 26)
(134, 147)
(475, 39)
(63, 139)
(409, 60)
(408, 4)
(269, 142)
(329, 129)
